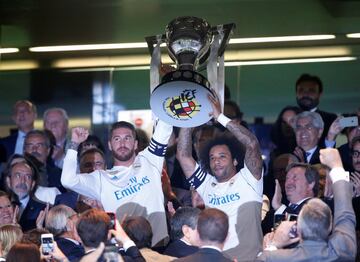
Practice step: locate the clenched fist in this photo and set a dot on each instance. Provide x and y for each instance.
(79, 134)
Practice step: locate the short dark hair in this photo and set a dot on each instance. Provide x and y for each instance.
(91, 139)
(235, 107)
(183, 216)
(139, 230)
(122, 124)
(311, 174)
(236, 149)
(93, 227)
(309, 78)
(213, 225)
(92, 151)
(42, 133)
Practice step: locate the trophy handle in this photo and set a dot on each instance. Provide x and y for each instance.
(227, 30)
(153, 40)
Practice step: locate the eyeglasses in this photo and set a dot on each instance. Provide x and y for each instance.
(355, 153)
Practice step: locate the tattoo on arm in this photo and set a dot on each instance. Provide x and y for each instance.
(73, 145)
(184, 151)
(253, 158)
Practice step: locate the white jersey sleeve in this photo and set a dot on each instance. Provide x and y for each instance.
(198, 177)
(156, 150)
(84, 184)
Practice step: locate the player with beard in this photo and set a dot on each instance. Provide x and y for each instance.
(133, 186)
(308, 92)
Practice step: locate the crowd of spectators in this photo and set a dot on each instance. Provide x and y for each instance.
(189, 194)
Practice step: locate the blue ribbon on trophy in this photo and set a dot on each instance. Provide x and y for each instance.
(180, 98)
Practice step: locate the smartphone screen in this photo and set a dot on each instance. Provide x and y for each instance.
(47, 242)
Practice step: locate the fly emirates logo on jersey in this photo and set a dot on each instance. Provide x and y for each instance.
(217, 200)
(135, 185)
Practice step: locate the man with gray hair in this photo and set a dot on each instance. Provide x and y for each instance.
(56, 120)
(183, 232)
(321, 237)
(61, 222)
(308, 130)
(37, 144)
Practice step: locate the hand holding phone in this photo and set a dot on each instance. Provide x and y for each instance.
(47, 243)
(349, 121)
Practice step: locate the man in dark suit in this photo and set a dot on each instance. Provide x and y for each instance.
(315, 224)
(308, 92)
(21, 181)
(183, 232)
(61, 222)
(308, 130)
(24, 115)
(301, 184)
(94, 227)
(212, 227)
(37, 144)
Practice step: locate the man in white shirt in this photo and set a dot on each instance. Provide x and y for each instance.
(133, 185)
(225, 183)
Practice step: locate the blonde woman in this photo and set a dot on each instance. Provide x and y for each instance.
(9, 235)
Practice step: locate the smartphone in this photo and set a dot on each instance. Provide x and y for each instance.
(292, 217)
(349, 121)
(293, 231)
(47, 242)
(112, 220)
(278, 218)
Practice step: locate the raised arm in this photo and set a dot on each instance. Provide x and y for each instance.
(85, 185)
(253, 158)
(184, 152)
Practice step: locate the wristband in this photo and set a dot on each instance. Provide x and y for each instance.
(73, 145)
(223, 120)
(338, 173)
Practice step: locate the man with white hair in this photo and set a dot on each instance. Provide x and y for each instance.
(308, 130)
(315, 223)
(56, 120)
(61, 222)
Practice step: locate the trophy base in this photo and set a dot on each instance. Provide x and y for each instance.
(182, 99)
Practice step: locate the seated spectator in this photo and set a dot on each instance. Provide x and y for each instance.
(21, 180)
(7, 214)
(24, 252)
(278, 172)
(92, 141)
(345, 149)
(9, 235)
(34, 235)
(183, 235)
(302, 183)
(308, 130)
(321, 237)
(212, 227)
(94, 227)
(139, 230)
(61, 222)
(282, 132)
(37, 144)
(40, 193)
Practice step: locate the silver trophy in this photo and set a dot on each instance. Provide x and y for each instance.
(181, 99)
